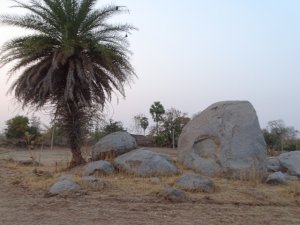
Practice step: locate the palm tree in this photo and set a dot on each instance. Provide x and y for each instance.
(73, 60)
(157, 110)
(144, 123)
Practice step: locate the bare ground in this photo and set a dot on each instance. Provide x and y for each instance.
(134, 201)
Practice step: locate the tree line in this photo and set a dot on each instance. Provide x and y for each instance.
(22, 131)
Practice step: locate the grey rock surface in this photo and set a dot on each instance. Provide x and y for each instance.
(113, 145)
(290, 161)
(195, 182)
(224, 139)
(173, 195)
(143, 162)
(100, 167)
(273, 164)
(277, 178)
(92, 181)
(64, 186)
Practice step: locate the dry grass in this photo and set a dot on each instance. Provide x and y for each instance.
(235, 201)
(228, 191)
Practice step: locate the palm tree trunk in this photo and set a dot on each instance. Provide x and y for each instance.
(77, 158)
(75, 135)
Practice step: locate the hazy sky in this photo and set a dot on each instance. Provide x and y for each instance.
(190, 54)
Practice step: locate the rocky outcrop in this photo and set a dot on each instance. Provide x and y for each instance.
(224, 139)
(143, 162)
(113, 145)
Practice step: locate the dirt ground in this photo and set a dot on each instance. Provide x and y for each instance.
(134, 201)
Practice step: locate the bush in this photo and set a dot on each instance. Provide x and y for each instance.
(160, 140)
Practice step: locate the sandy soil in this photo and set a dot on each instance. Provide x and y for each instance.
(132, 200)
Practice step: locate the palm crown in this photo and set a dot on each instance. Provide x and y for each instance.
(73, 59)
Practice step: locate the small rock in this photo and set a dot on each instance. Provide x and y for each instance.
(277, 178)
(194, 182)
(173, 195)
(93, 182)
(273, 164)
(64, 186)
(102, 167)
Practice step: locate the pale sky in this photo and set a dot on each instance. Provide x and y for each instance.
(190, 54)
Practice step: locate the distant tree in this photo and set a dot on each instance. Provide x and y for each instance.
(140, 123)
(20, 130)
(173, 122)
(137, 128)
(157, 111)
(144, 123)
(280, 137)
(113, 126)
(16, 127)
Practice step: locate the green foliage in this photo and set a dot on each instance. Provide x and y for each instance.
(157, 111)
(113, 126)
(279, 137)
(105, 128)
(160, 140)
(16, 127)
(170, 127)
(19, 131)
(73, 60)
(173, 122)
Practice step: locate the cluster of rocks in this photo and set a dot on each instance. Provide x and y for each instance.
(284, 167)
(119, 148)
(223, 140)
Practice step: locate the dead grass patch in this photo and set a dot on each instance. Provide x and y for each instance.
(237, 190)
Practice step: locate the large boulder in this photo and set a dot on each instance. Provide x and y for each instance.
(113, 145)
(145, 163)
(290, 161)
(224, 139)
